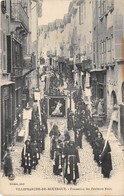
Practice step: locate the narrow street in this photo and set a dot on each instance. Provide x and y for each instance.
(62, 97)
(89, 171)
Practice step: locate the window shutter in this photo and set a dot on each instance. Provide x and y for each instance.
(118, 35)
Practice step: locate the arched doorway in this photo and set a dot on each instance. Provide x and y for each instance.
(122, 90)
(115, 122)
(122, 115)
(113, 98)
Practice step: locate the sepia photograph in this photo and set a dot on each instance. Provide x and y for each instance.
(62, 97)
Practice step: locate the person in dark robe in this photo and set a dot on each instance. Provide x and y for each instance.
(7, 161)
(98, 146)
(54, 133)
(41, 139)
(57, 163)
(44, 121)
(27, 157)
(78, 137)
(71, 163)
(35, 154)
(70, 119)
(106, 161)
(78, 130)
(66, 135)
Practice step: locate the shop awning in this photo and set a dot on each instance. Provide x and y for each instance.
(97, 70)
(27, 71)
(5, 83)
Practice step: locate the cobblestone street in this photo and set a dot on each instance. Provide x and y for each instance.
(89, 171)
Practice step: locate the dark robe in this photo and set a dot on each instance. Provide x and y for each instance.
(26, 159)
(35, 155)
(8, 170)
(27, 163)
(97, 149)
(41, 141)
(71, 167)
(70, 122)
(106, 162)
(57, 165)
(54, 134)
(26, 149)
(78, 137)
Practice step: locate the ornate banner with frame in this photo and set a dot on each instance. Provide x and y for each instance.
(57, 106)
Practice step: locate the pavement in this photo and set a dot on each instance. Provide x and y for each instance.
(91, 182)
(91, 179)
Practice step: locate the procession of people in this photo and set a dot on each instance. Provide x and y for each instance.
(34, 146)
(64, 149)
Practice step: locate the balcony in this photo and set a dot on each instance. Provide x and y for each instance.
(19, 15)
(29, 63)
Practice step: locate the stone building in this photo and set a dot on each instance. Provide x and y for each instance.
(90, 51)
(18, 60)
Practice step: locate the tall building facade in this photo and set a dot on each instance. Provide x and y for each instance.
(90, 48)
(108, 32)
(18, 60)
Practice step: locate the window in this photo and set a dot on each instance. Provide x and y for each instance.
(4, 66)
(103, 52)
(94, 51)
(99, 8)
(109, 52)
(123, 92)
(82, 12)
(110, 5)
(104, 6)
(118, 35)
(4, 62)
(3, 6)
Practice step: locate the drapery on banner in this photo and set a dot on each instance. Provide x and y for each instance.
(27, 113)
(37, 96)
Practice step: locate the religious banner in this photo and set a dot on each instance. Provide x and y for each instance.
(57, 107)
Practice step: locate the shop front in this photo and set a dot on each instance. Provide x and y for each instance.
(7, 116)
(98, 84)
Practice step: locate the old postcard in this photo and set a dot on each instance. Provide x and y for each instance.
(62, 97)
